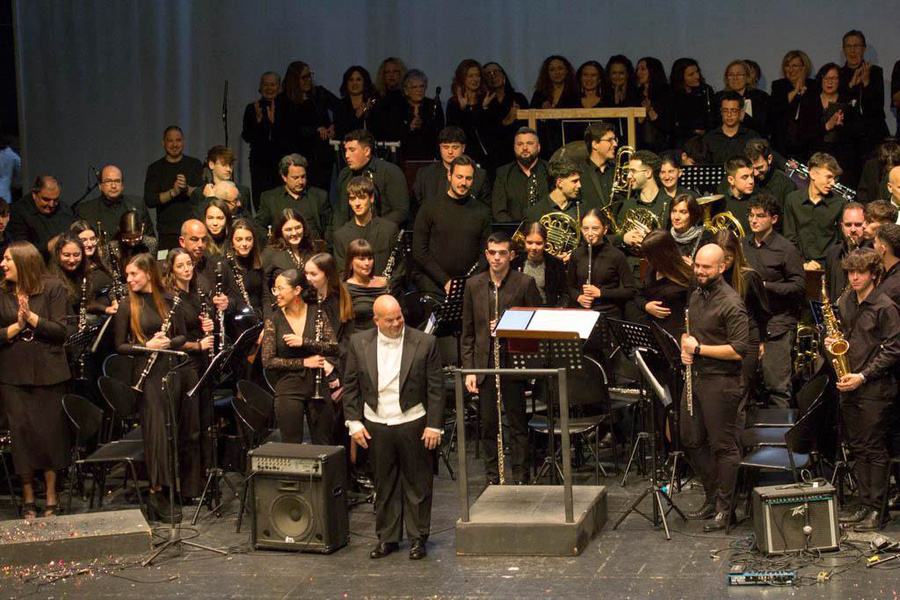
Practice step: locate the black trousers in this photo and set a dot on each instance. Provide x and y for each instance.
(403, 480)
(293, 403)
(866, 427)
(516, 428)
(710, 436)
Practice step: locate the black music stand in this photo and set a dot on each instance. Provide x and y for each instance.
(672, 354)
(702, 178)
(637, 340)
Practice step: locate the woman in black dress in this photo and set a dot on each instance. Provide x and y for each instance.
(245, 261)
(290, 248)
(548, 272)
(139, 324)
(33, 370)
(695, 112)
(555, 88)
(656, 129)
(787, 93)
(687, 228)
(416, 121)
(501, 106)
(293, 349)
(466, 106)
(623, 91)
(363, 285)
(664, 291)
(737, 79)
(309, 125)
(360, 106)
(217, 218)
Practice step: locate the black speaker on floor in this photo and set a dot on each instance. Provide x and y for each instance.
(299, 497)
(793, 517)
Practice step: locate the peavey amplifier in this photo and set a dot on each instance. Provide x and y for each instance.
(788, 518)
(299, 497)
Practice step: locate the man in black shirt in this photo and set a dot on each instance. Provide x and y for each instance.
(450, 232)
(871, 322)
(220, 167)
(811, 216)
(41, 218)
(380, 233)
(714, 351)
(431, 181)
(731, 138)
(391, 191)
(863, 82)
(647, 195)
(168, 186)
(112, 203)
(565, 196)
(521, 183)
(876, 214)
(193, 239)
(487, 296)
(852, 227)
(311, 202)
(779, 264)
(767, 177)
(887, 245)
(739, 187)
(598, 169)
(893, 185)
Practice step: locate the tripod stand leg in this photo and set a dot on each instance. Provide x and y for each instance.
(633, 508)
(634, 452)
(662, 512)
(209, 482)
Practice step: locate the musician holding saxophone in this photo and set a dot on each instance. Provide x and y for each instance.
(486, 297)
(870, 321)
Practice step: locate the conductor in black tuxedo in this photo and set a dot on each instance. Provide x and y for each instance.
(394, 399)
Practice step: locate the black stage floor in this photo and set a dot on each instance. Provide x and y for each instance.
(633, 562)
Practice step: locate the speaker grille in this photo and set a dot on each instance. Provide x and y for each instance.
(780, 517)
(291, 517)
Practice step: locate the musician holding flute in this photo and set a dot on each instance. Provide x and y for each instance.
(598, 275)
(870, 321)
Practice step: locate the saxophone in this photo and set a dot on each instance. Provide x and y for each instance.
(320, 333)
(837, 349)
(167, 322)
(392, 259)
(496, 343)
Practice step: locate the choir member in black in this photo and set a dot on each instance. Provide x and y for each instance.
(389, 78)
(865, 84)
(748, 283)
(623, 92)
(611, 283)
(103, 272)
(43, 217)
(548, 272)
(831, 123)
(431, 181)
(4, 221)
(565, 195)
(219, 168)
(598, 169)
(290, 248)
(655, 130)
(264, 129)
(693, 99)
(502, 103)
(555, 88)
(310, 125)
(138, 323)
(107, 208)
(381, 234)
(873, 180)
(245, 261)
(870, 321)
(669, 175)
(714, 351)
(522, 182)
(466, 106)
(667, 281)
(591, 80)
(450, 232)
(787, 93)
(129, 240)
(729, 138)
(780, 265)
(416, 122)
(686, 225)
(168, 186)
(391, 190)
(811, 216)
(768, 178)
(217, 219)
(296, 194)
(362, 283)
(359, 106)
(755, 102)
(852, 228)
(644, 172)
(292, 353)
(33, 371)
(486, 296)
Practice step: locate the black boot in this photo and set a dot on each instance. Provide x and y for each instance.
(707, 511)
(871, 522)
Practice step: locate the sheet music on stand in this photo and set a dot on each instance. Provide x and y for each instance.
(447, 318)
(546, 337)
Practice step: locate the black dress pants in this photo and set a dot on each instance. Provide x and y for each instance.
(516, 433)
(865, 426)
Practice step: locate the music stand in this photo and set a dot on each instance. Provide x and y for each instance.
(672, 353)
(637, 339)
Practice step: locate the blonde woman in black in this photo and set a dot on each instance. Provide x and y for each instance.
(33, 370)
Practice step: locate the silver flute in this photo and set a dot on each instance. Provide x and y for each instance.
(500, 462)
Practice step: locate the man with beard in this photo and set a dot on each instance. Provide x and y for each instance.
(450, 232)
(852, 227)
(431, 181)
(391, 192)
(112, 203)
(521, 183)
(311, 202)
(811, 216)
(599, 167)
(647, 195)
(41, 219)
(767, 177)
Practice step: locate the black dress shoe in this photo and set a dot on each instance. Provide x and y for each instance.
(717, 524)
(871, 522)
(707, 511)
(383, 549)
(854, 517)
(606, 441)
(417, 550)
(492, 479)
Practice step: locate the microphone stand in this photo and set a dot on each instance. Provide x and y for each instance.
(90, 188)
(225, 111)
(173, 539)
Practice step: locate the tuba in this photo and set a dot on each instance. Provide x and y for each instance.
(562, 233)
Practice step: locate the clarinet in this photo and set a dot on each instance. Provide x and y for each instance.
(500, 461)
(138, 387)
(389, 267)
(207, 313)
(688, 371)
(320, 330)
(220, 314)
(82, 322)
(239, 278)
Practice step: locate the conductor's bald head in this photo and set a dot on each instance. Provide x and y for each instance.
(388, 316)
(709, 264)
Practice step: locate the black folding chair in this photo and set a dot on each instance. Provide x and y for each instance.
(253, 409)
(119, 367)
(768, 434)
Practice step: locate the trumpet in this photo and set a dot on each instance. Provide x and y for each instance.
(167, 322)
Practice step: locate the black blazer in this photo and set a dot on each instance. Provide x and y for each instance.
(421, 377)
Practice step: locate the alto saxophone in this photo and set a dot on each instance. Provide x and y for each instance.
(496, 343)
(167, 322)
(320, 333)
(837, 349)
(688, 371)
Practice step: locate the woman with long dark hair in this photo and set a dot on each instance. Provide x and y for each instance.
(290, 248)
(321, 272)
(656, 129)
(360, 107)
(695, 112)
(244, 258)
(501, 106)
(217, 218)
(33, 371)
(71, 266)
(548, 272)
(363, 285)
(687, 228)
(309, 124)
(139, 324)
(664, 291)
(466, 109)
(555, 88)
